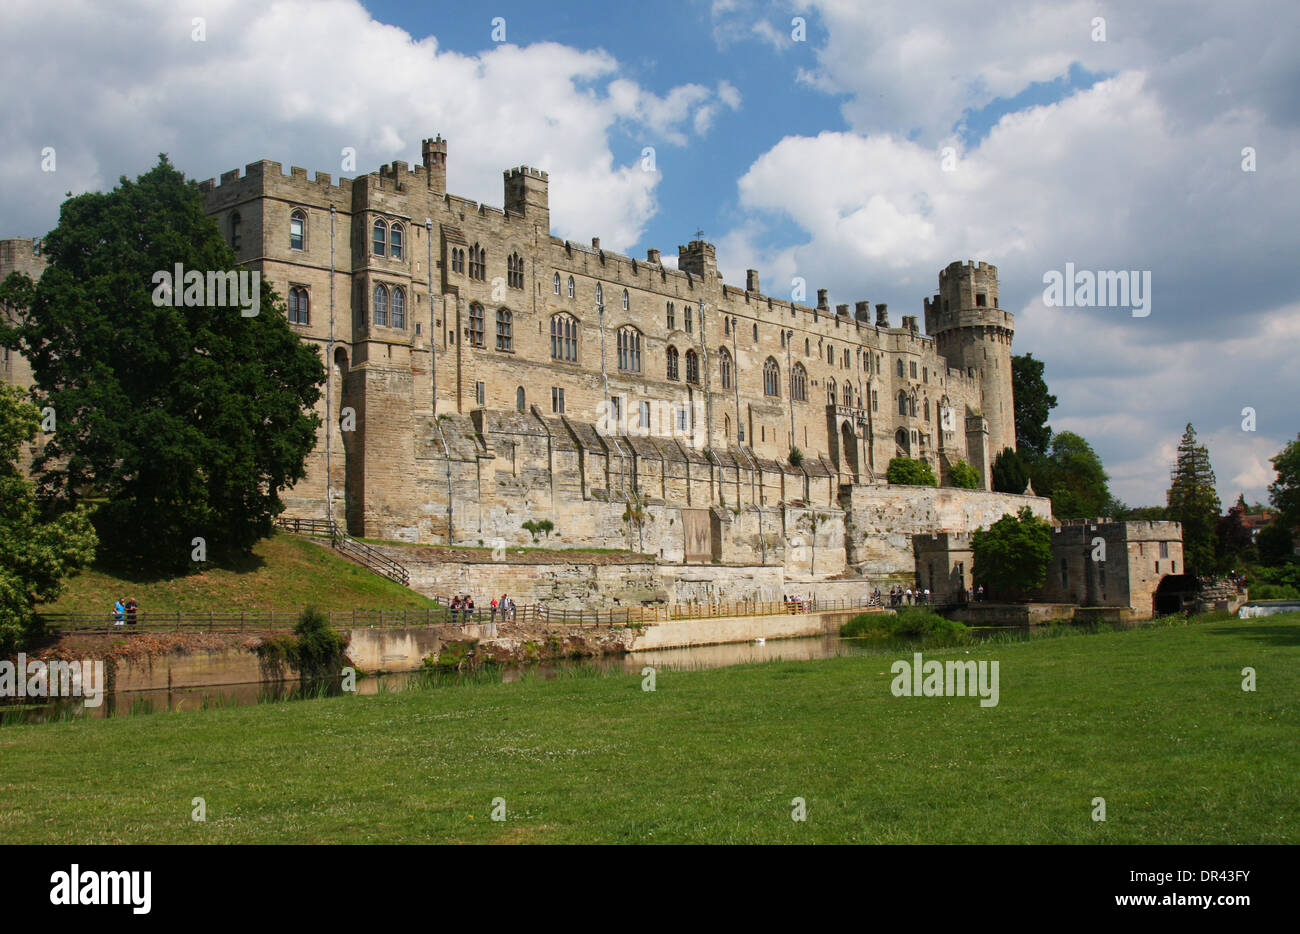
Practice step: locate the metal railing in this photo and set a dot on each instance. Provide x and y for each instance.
(360, 618)
(363, 554)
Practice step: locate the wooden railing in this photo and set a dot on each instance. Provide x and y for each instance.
(363, 554)
(261, 619)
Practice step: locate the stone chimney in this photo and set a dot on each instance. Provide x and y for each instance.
(652, 256)
(882, 315)
(822, 301)
(751, 280)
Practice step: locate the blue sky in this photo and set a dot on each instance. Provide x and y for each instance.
(1104, 134)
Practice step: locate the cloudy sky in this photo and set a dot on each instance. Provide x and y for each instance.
(861, 146)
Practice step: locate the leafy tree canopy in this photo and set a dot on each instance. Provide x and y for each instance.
(1072, 475)
(964, 476)
(189, 420)
(1033, 405)
(911, 472)
(36, 551)
(1284, 493)
(1011, 558)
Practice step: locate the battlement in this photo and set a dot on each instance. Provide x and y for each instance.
(270, 173)
(525, 170)
(1082, 531)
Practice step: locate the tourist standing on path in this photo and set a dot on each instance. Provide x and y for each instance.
(119, 611)
(493, 605)
(131, 607)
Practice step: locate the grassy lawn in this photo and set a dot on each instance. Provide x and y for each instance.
(1155, 721)
(284, 571)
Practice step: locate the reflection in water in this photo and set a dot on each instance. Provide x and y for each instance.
(683, 659)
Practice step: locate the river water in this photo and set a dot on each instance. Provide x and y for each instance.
(684, 659)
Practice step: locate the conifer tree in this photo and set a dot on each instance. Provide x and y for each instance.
(1194, 501)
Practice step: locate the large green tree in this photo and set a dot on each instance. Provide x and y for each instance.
(1194, 501)
(1033, 405)
(1072, 475)
(1284, 493)
(1011, 557)
(188, 420)
(37, 550)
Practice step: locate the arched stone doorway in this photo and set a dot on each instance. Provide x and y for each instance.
(1175, 593)
(903, 443)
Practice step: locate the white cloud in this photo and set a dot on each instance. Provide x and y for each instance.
(110, 87)
(1141, 171)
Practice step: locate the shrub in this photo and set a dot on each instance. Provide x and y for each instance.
(314, 650)
(910, 472)
(796, 457)
(319, 650)
(1274, 592)
(964, 476)
(910, 622)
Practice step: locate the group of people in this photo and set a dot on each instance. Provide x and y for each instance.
(462, 608)
(902, 596)
(124, 612)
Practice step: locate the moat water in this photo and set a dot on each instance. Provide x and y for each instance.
(695, 658)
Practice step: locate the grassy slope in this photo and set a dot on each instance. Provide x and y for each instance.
(1154, 721)
(285, 571)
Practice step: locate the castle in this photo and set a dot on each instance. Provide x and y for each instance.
(484, 373)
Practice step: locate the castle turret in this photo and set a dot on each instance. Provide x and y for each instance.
(699, 258)
(527, 194)
(433, 153)
(974, 334)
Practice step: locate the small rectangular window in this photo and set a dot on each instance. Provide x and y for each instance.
(643, 416)
(480, 393)
(557, 400)
(1164, 549)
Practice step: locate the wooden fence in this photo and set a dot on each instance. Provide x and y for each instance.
(363, 554)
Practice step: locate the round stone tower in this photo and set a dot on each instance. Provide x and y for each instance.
(974, 334)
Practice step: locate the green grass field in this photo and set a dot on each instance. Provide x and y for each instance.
(284, 571)
(1153, 720)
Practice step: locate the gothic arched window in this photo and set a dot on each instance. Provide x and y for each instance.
(379, 239)
(379, 306)
(799, 384)
(771, 378)
(399, 308)
(564, 338)
(505, 329)
(629, 350)
(476, 328)
(298, 305)
(726, 368)
(692, 367)
(672, 363)
(297, 230)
